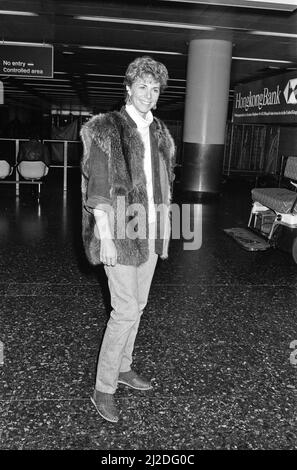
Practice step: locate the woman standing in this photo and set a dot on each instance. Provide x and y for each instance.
(127, 171)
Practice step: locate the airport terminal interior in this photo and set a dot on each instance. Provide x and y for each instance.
(218, 337)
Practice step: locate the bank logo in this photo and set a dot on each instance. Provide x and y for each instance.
(290, 91)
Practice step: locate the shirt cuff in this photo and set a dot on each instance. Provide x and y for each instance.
(98, 202)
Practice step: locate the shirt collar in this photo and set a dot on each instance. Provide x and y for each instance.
(133, 123)
(137, 118)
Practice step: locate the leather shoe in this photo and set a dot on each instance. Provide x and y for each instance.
(105, 405)
(131, 379)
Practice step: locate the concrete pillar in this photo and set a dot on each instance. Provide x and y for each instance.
(206, 106)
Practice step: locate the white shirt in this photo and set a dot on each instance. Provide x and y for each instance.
(143, 126)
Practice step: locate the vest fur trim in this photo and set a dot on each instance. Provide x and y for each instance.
(123, 147)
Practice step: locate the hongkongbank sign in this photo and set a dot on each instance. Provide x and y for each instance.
(272, 100)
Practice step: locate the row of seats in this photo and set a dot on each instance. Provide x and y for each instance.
(29, 170)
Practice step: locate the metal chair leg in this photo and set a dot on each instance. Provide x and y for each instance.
(250, 219)
(274, 224)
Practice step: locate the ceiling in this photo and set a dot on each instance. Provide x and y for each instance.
(264, 37)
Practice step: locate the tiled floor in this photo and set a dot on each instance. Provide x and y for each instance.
(215, 336)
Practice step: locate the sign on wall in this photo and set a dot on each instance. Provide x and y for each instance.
(271, 100)
(26, 60)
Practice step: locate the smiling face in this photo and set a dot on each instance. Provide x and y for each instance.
(144, 94)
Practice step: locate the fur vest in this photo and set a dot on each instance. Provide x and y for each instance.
(121, 144)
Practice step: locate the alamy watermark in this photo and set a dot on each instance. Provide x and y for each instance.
(130, 221)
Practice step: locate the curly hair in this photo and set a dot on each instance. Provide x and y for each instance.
(143, 66)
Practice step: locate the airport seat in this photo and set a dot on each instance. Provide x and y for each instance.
(5, 169)
(32, 170)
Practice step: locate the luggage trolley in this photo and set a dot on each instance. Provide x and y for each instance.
(274, 212)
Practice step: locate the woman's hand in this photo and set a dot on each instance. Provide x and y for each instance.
(108, 252)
